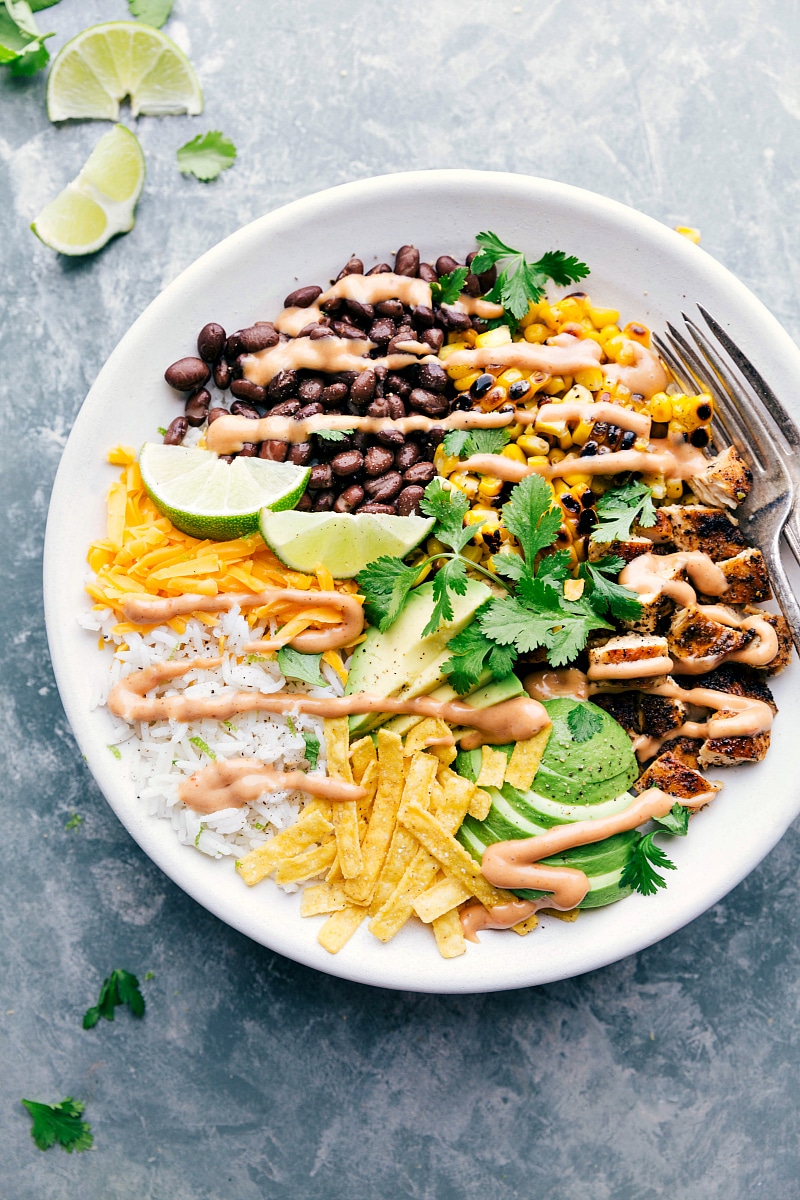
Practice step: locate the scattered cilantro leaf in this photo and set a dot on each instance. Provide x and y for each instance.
(294, 665)
(38, 5)
(583, 722)
(532, 518)
(462, 443)
(291, 726)
(455, 441)
(449, 507)
(201, 830)
(21, 43)
(451, 577)
(312, 750)
(59, 1123)
(332, 435)
(510, 566)
(202, 746)
(449, 287)
(641, 871)
(521, 283)
(115, 750)
(162, 430)
(676, 821)
(75, 821)
(385, 584)
(620, 508)
(149, 975)
(606, 595)
(206, 155)
(120, 988)
(473, 654)
(151, 12)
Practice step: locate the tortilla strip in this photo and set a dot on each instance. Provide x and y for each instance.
(455, 860)
(340, 927)
(525, 759)
(322, 898)
(449, 934)
(309, 827)
(382, 818)
(447, 893)
(307, 865)
(493, 767)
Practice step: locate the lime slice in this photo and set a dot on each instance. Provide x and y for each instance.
(207, 498)
(99, 202)
(106, 63)
(343, 543)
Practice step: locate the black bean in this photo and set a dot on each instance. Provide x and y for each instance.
(433, 338)
(248, 450)
(308, 410)
(587, 498)
(471, 285)
(398, 385)
(240, 408)
(187, 374)
(222, 374)
(378, 459)
(628, 439)
(382, 330)
(257, 337)
(406, 456)
(319, 332)
(397, 409)
(300, 453)
(519, 389)
(409, 500)
(422, 317)
(344, 329)
(482, 385)
(587, 521)
(349, 499)
(307, 330)
(427, 272)
(390, 437)
(353, 266)
(196, 407)
(176, 432)
(421, 473)
(385, 488)
(215, 413)
(380, 269)
(304, 504)
(226, 458)
(399, 340)
(454, 320)
(390, 308)
(321, 478)
(287, 409)
(431, 376)
(274, 450)
(445, 264)
(334, 393)
(243, 389)
(429, 403)
(324, 501)
(310, 389)
(570, 503)
(373, 507)
(349, 462)
(211, 342)
(406, 261)
(303, 297)
(282, 385)
(487, 279)
(233, 348)
(360, 440)
(363, 388)
(435, 436)
(332, 305)
(359, 311)
(379, 407)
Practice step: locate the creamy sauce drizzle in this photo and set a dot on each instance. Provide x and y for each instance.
(641, 668)
(759, 653)
(645, 375)
(514, 720)
(671, 456)
(154, 610)
(561, 355)
(579, 410)
(232, 783)
(742, 716)
(651, 576)
(366, 289)
(330, 354)
(550, 684)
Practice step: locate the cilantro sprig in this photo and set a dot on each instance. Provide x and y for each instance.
(59, 1123)
(22, 46)
(151, 12)
(206, 156)
(312, 750)
(521, 283)
(605, 594)
(120, 988)
(462, 443)
(584, 722)
(642, 870)
(448, 289)
(620, 508)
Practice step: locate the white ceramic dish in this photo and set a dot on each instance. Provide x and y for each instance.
(639, 266)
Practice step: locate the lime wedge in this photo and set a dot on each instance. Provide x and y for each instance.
(343, 543)
(100, 201)
(106, 63)
(207, 498)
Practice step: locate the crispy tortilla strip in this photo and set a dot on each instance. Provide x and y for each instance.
(337, 748)
(335, 873)
(455, 803)
(480, 804)
(382, 818)
(417, 878)
(340, 927)
(455, 860)
(345, 813)
(369, 782)
(431, 729)
(439, 899)
(525, 759)
(527, 925)
(571, 914)
(445, 754)
(420, 775)
(449, 934)
(493, 767)
(323, 898)
(309, 827)
(307, 865)
(362, 753)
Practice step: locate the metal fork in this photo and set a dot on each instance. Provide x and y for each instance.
(744, 404)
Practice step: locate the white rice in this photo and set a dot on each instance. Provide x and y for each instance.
(159, 755)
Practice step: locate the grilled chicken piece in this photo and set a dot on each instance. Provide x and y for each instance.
(729, 752)
(739, 680)
(748, 581)
(674, 777)
(627, 550)
(697, 643)
(696, 527)
(624, 707)
(725, 481)
(640, 712)
(631, 660)
(684, 748)
(654, 611)
(785, 645)
(659, 533)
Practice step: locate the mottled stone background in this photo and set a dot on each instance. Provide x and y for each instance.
(674, 1073)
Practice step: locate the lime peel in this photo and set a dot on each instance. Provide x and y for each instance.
(343, 543)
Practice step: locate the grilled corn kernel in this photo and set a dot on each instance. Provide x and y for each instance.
(530, 317)
(637, 333)
(445, 463)
(472, 552)
(547, 316)
(500, 336)
(579, 393)
(578, 481)
(451, 348)
(516, 452)
(541, 460)
(470, 337)
(674, 489)
(573, 327)
(466, 381)
(434, 546)
(557, 456)
(489, 487)
(660, 407)
(608, 332)
(582, 432)
(488, 515)
(591, 378)
(558, 431)
(627, 353)
(570, 309)
(536, 333)
(465, 483)
(529, 444)
(699, 410)
(456, 339)
(601, 317)
(495, 398)
(509, 376)
(458, 372)
(553, 385)
(657, 485)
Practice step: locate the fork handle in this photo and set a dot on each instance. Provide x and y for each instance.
(782, 587)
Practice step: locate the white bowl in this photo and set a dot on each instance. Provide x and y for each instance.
(640, 267)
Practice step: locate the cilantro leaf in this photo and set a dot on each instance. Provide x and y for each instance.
(539, 616)
(620, 508)
(455, 441)
(462, 443)
(206, 155)
(449, 507)
(451, 577)
(606, 595)
(510, 566)
(563, 270)
(449, 287)
(21, 43)
(474, 654)
(120, 988)
(531, 517)
(59, 1123)
(385, 584)
(332, 435)
(676, 821)
(583, 722)
(294, 665)
(640, 872)
(152, 12)
(312, 750)
(491, 252)
(520, 283)
(202, 746)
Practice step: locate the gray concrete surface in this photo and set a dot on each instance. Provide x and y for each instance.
(674, 1073)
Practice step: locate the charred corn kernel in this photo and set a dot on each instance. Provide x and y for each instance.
(509, 376)
(540, 460)
(454, 343)
(591, 378)
(493, 399)
(578, 481)
(489, 487)
(529, 444)
(613, 347)
(473, 552)
(547, 316)
(500, 336)
(558, 431)
(594, 336)
(489, 516)
(579, 393)
(536, 333)
(470, 337)
(465, 483)
(641, 444)
(698, 411)
(458, 372)
(575, 551)
(689, 232)
(573, 327)
(627, 353)
(674, 489)
(560, 487)
(601, 317)
(445, 463)
(657, 485)
(582, 432)
(466, 381)
(637, 333)
(660, 407)
(515, 452)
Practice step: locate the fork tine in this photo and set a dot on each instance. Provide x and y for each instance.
(675, 365)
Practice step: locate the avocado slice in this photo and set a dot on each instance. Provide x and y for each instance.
(589, 772)
(485, 695)
(401, 663)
